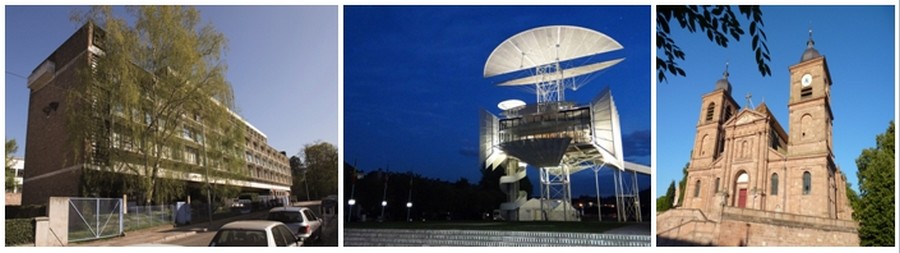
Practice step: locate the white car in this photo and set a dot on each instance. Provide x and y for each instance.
(301, 220)
(260, 233)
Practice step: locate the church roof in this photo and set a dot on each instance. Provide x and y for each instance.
(811, 52)
(723, 83)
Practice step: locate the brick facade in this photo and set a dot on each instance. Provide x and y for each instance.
(52, 167)
(750, 182)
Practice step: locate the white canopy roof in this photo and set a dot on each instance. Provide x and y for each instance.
(545, 45)
(569, 73)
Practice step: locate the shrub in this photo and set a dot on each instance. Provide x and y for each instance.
(30, 211)
(19, 231)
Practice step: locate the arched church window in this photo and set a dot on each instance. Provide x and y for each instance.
(773, 190)
(697, 189)
(807, 182)
(709, 111)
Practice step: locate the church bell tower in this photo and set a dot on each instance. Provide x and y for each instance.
(716, 108)
(809, 105)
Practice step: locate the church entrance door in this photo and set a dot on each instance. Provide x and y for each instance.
(742, 198)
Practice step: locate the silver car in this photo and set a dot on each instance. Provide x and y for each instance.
(301, 220)
(260, 233)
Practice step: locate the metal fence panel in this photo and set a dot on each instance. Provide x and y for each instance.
(94, 218)
(139, 217)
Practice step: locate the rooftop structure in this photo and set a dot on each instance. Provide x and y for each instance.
(557, 136)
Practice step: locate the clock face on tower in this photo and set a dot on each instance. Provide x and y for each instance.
(806, 80)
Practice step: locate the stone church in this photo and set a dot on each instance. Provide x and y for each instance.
(752, 182)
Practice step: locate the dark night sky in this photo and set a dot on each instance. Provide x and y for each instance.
(413, 84)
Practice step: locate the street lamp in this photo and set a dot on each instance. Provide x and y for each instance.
(408, 208)
(352, 192)
(383, 204)
(384, 196)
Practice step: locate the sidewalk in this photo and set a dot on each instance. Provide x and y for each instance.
(162, 234)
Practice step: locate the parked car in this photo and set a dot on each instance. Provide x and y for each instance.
(262, 233)
(243, 206)
(301, 220)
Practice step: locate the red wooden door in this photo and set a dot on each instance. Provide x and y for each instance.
(742, 198)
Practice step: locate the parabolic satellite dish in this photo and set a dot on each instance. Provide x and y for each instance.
(551, 52)
(546, 45)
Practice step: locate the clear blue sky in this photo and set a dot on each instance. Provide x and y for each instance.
(282, 63)
(413, 83)
(858, 43)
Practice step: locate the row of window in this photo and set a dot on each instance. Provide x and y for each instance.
(577, 116)
(773, 188)
(264, 162)
(270, 176)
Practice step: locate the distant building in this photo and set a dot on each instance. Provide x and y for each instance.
(55, 170)
(19, 172)
(14, 195)
(751, 182)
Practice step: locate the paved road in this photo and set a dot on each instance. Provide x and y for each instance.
(329, 233)
(199, 239)
(203, 238)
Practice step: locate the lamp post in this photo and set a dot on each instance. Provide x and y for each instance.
(581, 206)
(350, 202)
(384, 195)
(409, 198)
(383, 204)
(408, 208)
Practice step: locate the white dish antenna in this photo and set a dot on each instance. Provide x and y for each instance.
(510, 104)
(549, 51)
(546, 45)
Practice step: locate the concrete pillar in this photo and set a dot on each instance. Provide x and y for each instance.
(58, 210)
(42, 232)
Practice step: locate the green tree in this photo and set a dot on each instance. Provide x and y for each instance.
(665, 202)
(155, 104)
(670, 194)
(853, 197)
(718, 22)
(11, 148)
(875, 208)
(321, 161)
(683, 182)
(298, 177)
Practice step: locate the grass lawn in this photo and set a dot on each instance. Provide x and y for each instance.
(547, 226)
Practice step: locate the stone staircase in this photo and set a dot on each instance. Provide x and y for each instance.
(486, 238)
